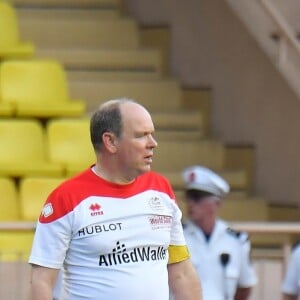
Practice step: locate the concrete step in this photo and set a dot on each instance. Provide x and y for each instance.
(199, 98)
(178, 126)
(232, 208)
(250, 209)
(108, 75)
(236, 195)
(85, 34)
(156, 95)
(174, 156)
(239, 156)
(271, 240)
(177, 135)
(142, 60)
(63, 13)
(283, 213)
(104, 4)
(179, 120)
(157, 37)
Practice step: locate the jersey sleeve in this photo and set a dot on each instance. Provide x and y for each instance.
(291, 282)
(178, 250)
(53, 234)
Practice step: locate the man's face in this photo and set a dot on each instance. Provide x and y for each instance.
(136, 144)
(201, 209)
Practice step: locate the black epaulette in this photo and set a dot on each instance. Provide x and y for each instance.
(240, 235)
(297, 243)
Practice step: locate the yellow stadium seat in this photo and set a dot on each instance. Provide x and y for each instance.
(9, 206)
(69, 144)
(23, 149)
(38, 88)
(33, 193)
(15, 245)
(6, 109)
(10, 44)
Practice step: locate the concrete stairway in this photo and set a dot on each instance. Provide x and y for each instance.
(89, 41)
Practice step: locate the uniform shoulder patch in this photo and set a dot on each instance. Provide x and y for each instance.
(184, 225)
(296, 244)
(240, 235)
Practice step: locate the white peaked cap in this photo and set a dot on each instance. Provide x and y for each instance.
(204, 179)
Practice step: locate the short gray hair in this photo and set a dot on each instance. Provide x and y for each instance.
(107, 118)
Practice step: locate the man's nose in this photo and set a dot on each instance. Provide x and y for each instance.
(152, 141)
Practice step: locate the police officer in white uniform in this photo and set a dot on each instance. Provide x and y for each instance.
(291, 281)
(220, 254)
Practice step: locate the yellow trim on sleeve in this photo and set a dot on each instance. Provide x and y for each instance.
(178, 253)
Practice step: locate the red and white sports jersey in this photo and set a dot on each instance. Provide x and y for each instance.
(111, 240)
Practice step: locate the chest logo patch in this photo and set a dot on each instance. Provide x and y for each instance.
(160, 222)
(95, 209)
(156, 204)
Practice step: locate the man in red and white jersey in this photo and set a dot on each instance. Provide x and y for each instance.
(114, 230)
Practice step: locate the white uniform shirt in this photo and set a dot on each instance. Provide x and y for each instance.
(291, 282)
(218, 281)
(110, 240)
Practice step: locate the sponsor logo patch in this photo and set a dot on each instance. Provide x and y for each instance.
(95, 209)
(99, 228)
(156, 204)
(47, 210)
(160, 222)
(121, 255)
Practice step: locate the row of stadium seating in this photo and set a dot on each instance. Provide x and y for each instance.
(30, 86)
(11, 45)
(36, 88)
(29, 149)
(24, 86)
(24, 203)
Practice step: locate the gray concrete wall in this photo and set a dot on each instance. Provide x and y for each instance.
(252, 103)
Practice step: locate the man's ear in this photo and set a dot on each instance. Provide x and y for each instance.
(109, 141)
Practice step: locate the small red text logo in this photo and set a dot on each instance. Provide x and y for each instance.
(95, 209)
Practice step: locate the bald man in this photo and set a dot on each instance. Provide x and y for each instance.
(115, 229)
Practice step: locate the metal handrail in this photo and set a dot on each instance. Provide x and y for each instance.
(284, 27)
(18, 225)
(268, 227)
